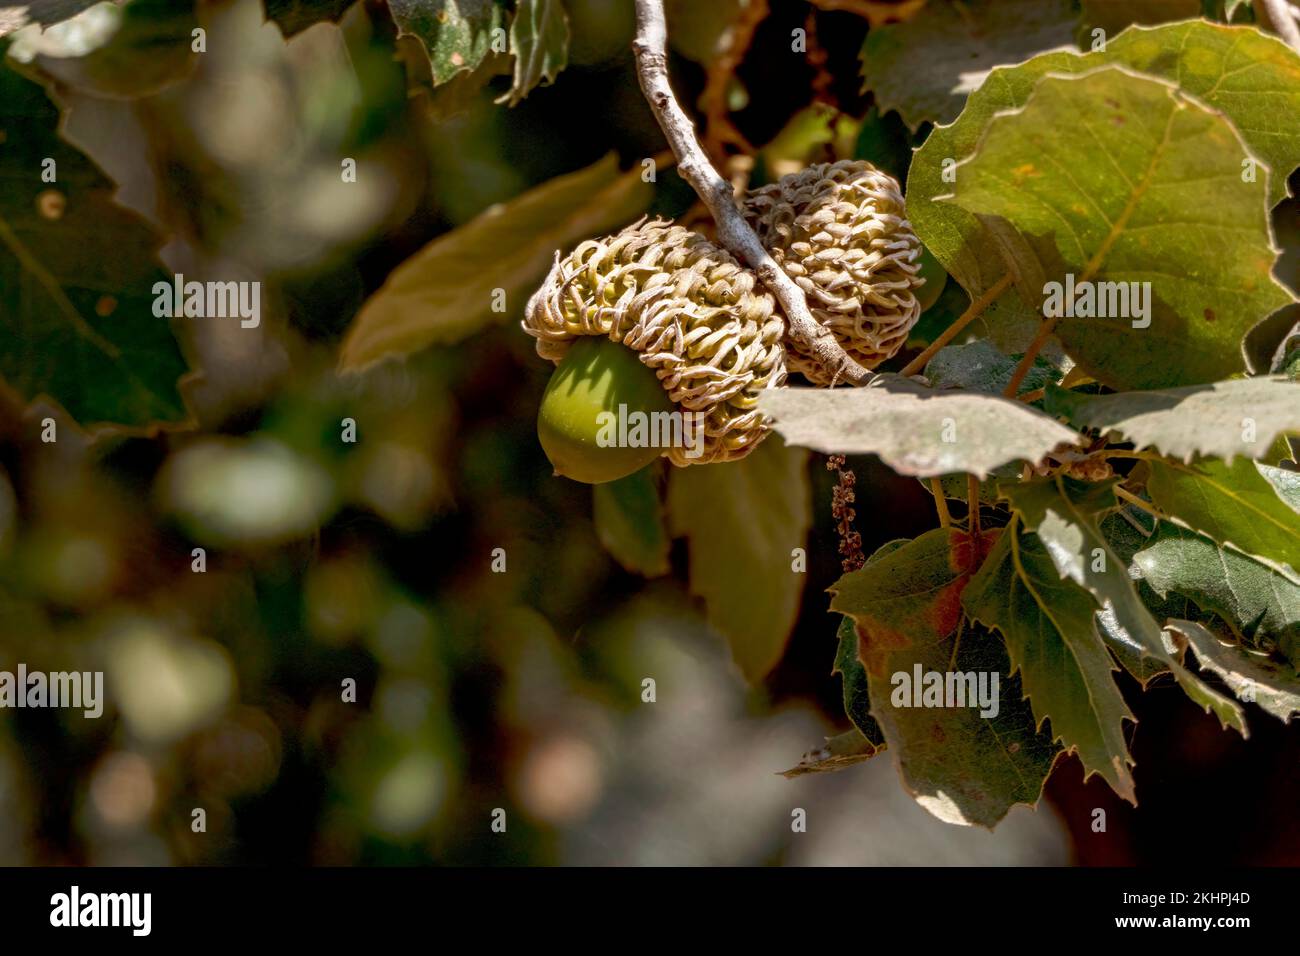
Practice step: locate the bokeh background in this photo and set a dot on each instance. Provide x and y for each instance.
(372, 561)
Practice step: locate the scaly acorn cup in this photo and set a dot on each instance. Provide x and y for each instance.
(690, 314)
(841, 232)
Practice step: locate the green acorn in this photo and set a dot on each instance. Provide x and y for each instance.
(596, 378)
(668, 310)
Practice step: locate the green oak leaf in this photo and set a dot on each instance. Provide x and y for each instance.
(539, 41)
(1131, 181)
(1065, 669)
(1223, 419)
(1064, 514)
(1252, 507)
(743, 520)
(962, 767)
(77, 273)
(1121, 532)
(1261, 606)
(457, 34)
(1249, 77)
(444, 293)
(915, 430)
(1252, 677)
(926, 66)
(630, 523)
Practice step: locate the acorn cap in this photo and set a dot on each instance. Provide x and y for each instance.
(841, 232)
(696, 317)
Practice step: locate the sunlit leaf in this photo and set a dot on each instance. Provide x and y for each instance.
(1252, 677)
(446, 291)
(1222, 419)
(1133, 207)
(915, 430)
(1252, 507)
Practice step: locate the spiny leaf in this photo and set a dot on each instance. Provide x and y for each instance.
(743, 520)
(1133, 202)
(1252, 677)
(926, 67)
(1252, 507)
(630, 524)
(1064, 514)
(456, 33)
(1065, 669)
(915, 430)
(77, 273)
(445, 292)
(1251, 78)
(962, 767)
(539, 41)
(1260, 605)
(1223, 419)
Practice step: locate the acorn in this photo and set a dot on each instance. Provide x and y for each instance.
(596, 376)
(841, 232)
(662, 300)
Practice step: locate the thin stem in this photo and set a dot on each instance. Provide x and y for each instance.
(970, 315)
(1135, 500)
(734, 233)
(973, 505)
(940, 503)
(1033, 396)
(1122, 453)
(1027, 361)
